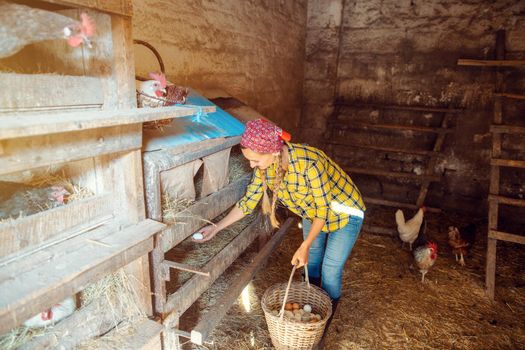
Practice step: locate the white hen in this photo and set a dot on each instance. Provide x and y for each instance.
(53, 314)
(408, 230)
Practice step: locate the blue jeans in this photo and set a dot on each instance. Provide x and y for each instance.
(329, 252)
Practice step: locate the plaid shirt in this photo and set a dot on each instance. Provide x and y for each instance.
(313, 181)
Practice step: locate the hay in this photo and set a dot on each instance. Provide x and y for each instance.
(114, 340)
(171, 206)
(239, 167)
(385, 306)
(21, 335)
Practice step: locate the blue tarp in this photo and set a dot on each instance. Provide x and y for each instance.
(194, 128)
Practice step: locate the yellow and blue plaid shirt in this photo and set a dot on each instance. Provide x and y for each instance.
(311, 185)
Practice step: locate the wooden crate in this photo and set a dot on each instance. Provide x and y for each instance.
(83, 121)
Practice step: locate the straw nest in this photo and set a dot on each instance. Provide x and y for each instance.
(385, 306)
(39, 203)
(115, 294)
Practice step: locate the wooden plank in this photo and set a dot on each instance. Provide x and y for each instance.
(401, 108)
(491, 63)
(379, 201)
(142, 335)
(123, 72)
(366, 126)
(19, 153)
(212, 318)
(507, 237)
(25, 233)
(24, 125)
(510, 95)
(490, 268)
(507, 200)
(196, 216)
(507, 129)
(157, 161)
(380, 230)
(432, 162)
(185, 267)
(68, 271)
(387, 173)
(119, 7)
(383, 149)
(508, 163)
(186, 295)
(33, 92)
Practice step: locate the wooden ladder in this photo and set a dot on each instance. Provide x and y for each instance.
(497, 129)
(425, 178)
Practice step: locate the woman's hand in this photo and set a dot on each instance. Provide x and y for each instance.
(300, 258)
(208, 232)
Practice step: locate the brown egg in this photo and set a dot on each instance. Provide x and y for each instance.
(314, 320)
(296, 306)
(288, 306)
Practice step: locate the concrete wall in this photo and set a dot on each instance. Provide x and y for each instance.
(404, 52)
(254, 50)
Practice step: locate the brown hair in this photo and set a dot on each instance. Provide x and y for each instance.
(267, 208)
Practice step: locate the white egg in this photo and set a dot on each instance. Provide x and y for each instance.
(307, 308)
(198, 236)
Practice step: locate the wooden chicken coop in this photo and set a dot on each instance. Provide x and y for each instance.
(200, 174)
(73, 112)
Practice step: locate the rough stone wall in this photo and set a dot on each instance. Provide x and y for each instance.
(404, 52)
(254, 50)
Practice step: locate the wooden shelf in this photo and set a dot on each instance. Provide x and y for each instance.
(208, 322)
(383, 149)
(509, 95)
(396, 174)
(401, 108)
(507, 200)
(379, 201)
(491, 63)
(508, 163)
(366, 126)
(190, 291)
(507, 129)
(507, 237)
(144, 335)
(32, 284)
(23, 125)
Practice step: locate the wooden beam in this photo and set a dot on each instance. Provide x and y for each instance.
(380, 201)
(383, 149)
(401, 108)
(507, 237)
(491, 63)
(365, 126)
(510, 95)
(386, 173)
(380, 230)
(23, 125)
(508, 163)
(119, 7)
(186, 295)
(212, 318)
(507, 129)
(185, 267)
(507, 200)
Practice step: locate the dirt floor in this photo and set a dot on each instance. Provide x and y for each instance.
(384, 304)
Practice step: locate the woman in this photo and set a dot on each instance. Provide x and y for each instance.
(312, 186)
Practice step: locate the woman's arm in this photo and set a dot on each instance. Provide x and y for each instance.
(300, 257)
(208, 232)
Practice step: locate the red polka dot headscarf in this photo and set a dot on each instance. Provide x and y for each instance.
(263, 136)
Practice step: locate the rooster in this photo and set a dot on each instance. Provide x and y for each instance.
(152, 91)
(425, 252)
(21, 25)
(408, 230)
(461, 241)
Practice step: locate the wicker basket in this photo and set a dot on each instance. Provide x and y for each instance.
(289, 334)
(174, 94)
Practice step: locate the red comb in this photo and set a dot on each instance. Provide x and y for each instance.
(87, 26)
(161, 78)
